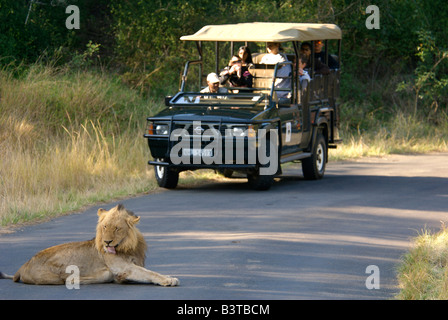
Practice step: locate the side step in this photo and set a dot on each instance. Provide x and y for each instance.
(298, 156)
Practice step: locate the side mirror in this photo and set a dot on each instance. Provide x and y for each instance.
(167, 100)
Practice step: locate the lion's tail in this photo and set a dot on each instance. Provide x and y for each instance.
(5, 276)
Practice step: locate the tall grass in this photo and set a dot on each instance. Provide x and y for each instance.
(64, 174)
(67, 140)
(423, 273)
(400, 133)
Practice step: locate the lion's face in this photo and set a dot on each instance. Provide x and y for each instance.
(116, 231)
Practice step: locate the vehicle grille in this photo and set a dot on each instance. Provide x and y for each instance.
(204, 129)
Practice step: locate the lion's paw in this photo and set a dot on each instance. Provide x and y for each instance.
(170, 282)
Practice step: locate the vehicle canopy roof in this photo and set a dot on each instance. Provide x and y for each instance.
(266, 32)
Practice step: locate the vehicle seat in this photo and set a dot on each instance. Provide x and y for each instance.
(262, 76)
(256, 57)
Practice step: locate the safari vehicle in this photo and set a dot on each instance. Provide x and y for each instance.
(253, 131)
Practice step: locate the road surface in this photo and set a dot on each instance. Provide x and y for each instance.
(299, 240)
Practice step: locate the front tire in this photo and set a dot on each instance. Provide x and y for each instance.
(227, 173)
(314, 167)
(166, 177)
(258, 181)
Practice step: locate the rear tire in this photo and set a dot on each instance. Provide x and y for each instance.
(166, 177)
(314, 167)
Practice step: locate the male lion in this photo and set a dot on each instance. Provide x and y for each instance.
(116, 254)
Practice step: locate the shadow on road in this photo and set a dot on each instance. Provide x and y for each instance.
(299, 240)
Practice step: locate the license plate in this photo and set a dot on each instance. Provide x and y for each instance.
(197, 152)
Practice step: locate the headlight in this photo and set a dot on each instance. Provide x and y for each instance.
(241, 130)
(161, 129)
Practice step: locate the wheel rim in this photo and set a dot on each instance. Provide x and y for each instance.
(160, 171)
(320, 158)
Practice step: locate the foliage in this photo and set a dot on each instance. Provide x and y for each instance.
(45, 32)
(402, 65)
(430, 80)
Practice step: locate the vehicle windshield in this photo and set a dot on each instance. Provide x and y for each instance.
(218, 99)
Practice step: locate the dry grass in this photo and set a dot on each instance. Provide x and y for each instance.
(67, 140)
(404, 134)
(61, 175)
(423, 273)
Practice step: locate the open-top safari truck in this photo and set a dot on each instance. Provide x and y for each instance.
(253, 130)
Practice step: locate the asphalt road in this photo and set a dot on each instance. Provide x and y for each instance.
(299, 240)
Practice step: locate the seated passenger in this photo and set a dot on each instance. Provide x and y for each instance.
(319, 66)
(237, 74)
(319, 54)
(213, 86)
(273, 57)
(304, 77)
(245, 56)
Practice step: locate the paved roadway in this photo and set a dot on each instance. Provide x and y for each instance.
(300, 240)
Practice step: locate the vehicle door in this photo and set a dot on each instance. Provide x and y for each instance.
(291, 128)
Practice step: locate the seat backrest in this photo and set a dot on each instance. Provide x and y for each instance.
(257, 56)
(263, 70)
(262, 74)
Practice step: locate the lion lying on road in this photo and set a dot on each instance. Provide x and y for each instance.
(116, 254)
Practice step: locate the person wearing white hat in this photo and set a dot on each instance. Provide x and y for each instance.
(213, 85)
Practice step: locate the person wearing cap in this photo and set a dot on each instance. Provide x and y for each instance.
(213, 85)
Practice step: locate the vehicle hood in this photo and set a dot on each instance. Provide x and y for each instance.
(210, 114)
